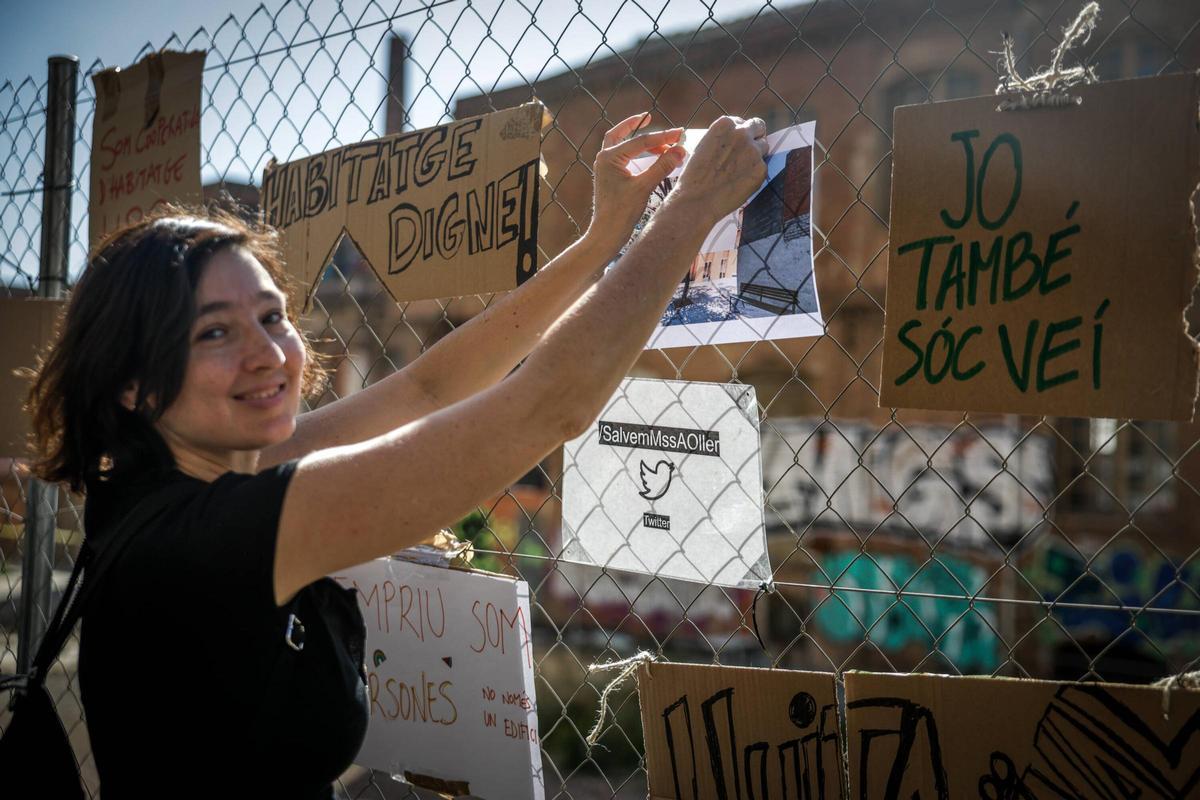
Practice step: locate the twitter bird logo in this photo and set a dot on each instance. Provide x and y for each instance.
(656, 481)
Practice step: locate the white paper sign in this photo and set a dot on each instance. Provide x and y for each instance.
(668, 482)
(450, 679)
(753, 277)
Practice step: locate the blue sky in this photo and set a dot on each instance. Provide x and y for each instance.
(315, 82)
(114, 31)
(308, 111)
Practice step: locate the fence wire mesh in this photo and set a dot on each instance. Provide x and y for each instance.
(899, 540)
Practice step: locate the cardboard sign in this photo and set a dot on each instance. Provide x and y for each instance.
(145, 140)
(739, 732)
(753, 277)
(668, 482)
(1040, 261)
(26, 327)
(931, 736)
(439, 212)
(450, 679)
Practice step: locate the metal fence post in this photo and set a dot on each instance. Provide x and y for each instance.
(58, 176)
(37, 569)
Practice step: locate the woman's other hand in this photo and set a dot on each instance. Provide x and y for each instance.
(620, 196)
(725, 169)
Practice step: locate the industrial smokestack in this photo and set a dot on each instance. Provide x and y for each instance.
(397, 112)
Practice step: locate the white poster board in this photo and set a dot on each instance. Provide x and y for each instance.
(753, 277)
(450, 678)
(668, 482)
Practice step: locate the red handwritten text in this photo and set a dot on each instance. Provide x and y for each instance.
(420, 611)
(413, 702)
(114, 145)
(492, 623)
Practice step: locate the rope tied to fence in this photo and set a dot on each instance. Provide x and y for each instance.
(1182, 680)
(1049, 87)
(627, 667)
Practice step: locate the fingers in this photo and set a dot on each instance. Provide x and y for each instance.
(665, 165)
(647, 142)
(757, 128)
(760, 144)
(758, 133)
(625, 127)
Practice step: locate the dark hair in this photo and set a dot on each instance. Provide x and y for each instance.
(129, 320)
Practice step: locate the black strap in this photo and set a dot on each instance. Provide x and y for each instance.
(96, 561)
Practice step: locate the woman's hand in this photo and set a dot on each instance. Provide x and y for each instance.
(620, 196)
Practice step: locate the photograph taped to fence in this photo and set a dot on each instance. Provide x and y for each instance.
(449, 662)
(439, 212)
(753, 277)
(668, 482)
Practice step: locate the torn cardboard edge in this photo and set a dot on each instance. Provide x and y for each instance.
(743, 731)
(445, 211)
(109, 82)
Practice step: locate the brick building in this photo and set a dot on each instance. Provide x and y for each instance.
(1071, 508)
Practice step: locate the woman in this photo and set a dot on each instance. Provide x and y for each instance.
(216, 658)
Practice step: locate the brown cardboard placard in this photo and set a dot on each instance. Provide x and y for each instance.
(26, 327)
(145, 139)
(934, 736)
(713, 731)
(1041, 260)
(438, 212)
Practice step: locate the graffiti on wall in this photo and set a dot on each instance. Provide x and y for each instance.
(1125, 573)
(972, 485)
(966, 635)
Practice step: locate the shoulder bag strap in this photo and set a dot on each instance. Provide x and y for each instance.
(90, 568)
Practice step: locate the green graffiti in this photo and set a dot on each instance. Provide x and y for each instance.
(965, 634)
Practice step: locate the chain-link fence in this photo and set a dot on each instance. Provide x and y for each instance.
(899, 540)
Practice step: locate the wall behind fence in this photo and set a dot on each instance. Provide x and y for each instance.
(899, 540)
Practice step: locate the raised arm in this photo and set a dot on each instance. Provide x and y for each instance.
(479, 353)
(349, 504)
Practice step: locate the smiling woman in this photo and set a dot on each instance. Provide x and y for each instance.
(214, 649)
(129, 335)
(243, 381)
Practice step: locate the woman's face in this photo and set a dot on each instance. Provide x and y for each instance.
(241, 390)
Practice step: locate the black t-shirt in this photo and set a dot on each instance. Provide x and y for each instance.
(189, 685)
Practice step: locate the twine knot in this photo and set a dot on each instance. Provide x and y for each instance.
(1048, 87)
(1184, 680)
(627, 666)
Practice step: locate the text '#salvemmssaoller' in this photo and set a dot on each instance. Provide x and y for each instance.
(656, 437)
